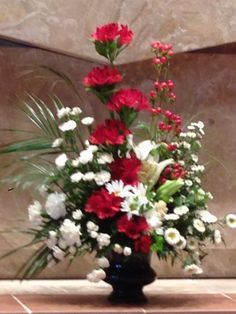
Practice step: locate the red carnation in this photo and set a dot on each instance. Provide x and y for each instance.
(131, 98)
(111, 32)
(132, 227)
(103, 204)
(111, 132)
(143, 244)
(102, 76)
(106, 33)
(126, 35)
(126, 169)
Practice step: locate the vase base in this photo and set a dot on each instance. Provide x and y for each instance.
(128, 297)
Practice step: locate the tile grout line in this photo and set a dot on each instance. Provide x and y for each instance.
(28, 311)
(227, 296)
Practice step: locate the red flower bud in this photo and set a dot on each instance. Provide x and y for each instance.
(156, 85)
(168, 114)
(170, 84)
(163, 59)
(152, 94)
(156, 60)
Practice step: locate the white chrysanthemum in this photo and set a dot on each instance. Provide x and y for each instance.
(61, 160)
(75, 111)
(62, 244)
(127, 251)
(76, 177)
(55, 205)
(70, 232)
(181, 210)
(96, 275)
(67, 126)
(207, 217)
(117, 248)
(171, 217)
(182, 243)
(93, 234)
(199, 225)
(86, 156)
(93, 148)
(75, 162)
(172, 236)
(103, 239)
(153, 219)
(118, 188)
(102, 177)
(193, 269)
(57, 143)
(103, 262)
(143, 149)
(58, 253)
(231, 220)
(87, 121)
(192, 244)
(34, 212)
(217, 236)
(91, 226)
(105, 158)
(77, 214)
(191, 134)
(89, 176)
(194, 157)
(63, 112)
(52, 239)
(188, 182)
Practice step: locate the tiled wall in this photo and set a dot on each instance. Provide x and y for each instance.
(205, 85)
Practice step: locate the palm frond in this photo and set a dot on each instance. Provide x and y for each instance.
(34, 144)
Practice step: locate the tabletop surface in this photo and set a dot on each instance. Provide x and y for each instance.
(80, 296)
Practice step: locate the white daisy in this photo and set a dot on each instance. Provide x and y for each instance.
(193, 269)
(231, 220)
(171, 217)
(199, 225)
(172, 236)
(192, 244)
(207, 217)
(182, 243)
(118, 188)
(181, 210)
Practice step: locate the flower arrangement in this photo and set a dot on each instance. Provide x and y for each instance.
(132, 187)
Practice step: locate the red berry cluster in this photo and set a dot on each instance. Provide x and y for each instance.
(173, 172)
(172, 122)
(161, 89)
(162, 51)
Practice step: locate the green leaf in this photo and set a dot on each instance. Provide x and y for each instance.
(27, 145)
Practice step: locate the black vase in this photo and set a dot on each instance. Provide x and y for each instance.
(128, 276)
